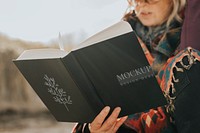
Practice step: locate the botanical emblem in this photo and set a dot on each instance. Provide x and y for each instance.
(59, 95)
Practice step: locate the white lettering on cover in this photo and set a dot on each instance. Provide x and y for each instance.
(135, 75)
(59, 95)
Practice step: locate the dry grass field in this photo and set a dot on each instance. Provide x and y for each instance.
(21, 110)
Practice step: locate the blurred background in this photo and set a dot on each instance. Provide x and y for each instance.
(28, 24)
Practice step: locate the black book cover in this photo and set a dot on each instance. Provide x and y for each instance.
(113, 72)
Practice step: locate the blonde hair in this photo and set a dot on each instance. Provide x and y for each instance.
(177, 7)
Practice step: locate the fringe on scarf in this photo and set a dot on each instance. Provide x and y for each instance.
(169, 90)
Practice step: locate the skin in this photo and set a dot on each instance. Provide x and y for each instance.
(153, 14)
(111, 125)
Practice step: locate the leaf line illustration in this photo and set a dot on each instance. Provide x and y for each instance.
(59, 95)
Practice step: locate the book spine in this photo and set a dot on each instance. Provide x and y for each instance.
(83, 82)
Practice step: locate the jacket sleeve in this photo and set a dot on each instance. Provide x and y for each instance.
(81, 128)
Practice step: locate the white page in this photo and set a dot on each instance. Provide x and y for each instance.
(117, 29)
(41, 54)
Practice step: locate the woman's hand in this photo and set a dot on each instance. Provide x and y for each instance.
(111, 125)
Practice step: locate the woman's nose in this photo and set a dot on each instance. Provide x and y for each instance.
(141, 3)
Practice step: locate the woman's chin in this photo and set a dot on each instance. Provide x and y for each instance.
(149, 24)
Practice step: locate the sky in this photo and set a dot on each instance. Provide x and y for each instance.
(42, 20)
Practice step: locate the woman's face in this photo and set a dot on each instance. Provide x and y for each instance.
(154, 12)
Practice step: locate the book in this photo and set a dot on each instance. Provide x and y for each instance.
(108, 69)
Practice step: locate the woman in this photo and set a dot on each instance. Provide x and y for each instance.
(157, 24)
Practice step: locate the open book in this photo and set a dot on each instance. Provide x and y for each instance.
(109, 68)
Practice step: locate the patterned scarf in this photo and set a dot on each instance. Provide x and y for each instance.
(161, 41)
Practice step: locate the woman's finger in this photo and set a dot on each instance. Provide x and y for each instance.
(97, 123)
(112, 119)
(119, 123)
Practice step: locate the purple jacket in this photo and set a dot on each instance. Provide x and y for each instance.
(190, 35)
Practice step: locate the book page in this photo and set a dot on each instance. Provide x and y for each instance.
(117, 29)
(41, 54)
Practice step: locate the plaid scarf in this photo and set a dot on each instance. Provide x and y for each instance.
(161, 41)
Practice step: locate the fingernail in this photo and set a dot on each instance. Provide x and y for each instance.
(118, 109)
(107, 108)
(125, 117)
